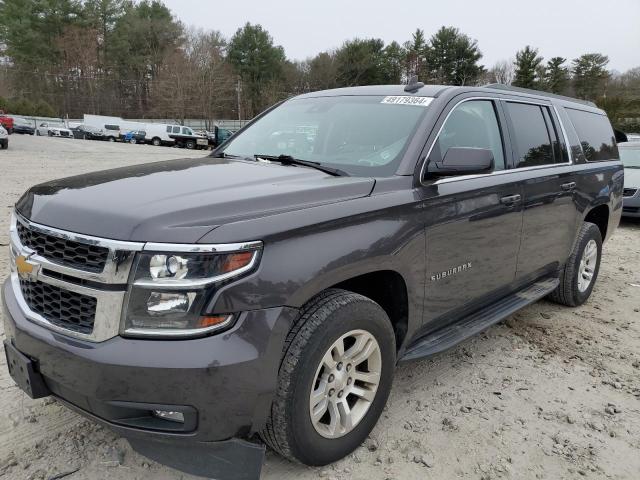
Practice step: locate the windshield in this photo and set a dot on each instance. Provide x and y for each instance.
(362, 135)
(630, 157)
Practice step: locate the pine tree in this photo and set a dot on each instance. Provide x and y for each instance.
(452, 58)
(527, 63)
(590, 75)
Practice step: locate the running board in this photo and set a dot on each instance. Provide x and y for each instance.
(451, 335)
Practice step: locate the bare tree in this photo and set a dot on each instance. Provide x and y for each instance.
(502, 72)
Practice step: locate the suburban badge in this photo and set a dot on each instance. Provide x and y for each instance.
(450, 272)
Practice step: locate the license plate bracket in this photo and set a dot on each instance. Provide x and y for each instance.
(22, 370)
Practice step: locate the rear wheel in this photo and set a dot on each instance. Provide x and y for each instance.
(133, 141)
(334, 379)
(156, 141)
(579, 274)
(111, 139)
(190, 144)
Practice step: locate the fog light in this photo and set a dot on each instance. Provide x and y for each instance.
(177, 417)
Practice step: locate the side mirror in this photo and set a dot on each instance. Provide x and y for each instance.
(463, 161)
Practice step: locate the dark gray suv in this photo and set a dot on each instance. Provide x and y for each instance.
(266, 293)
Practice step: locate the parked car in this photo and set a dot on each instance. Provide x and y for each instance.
(86, 132)
(112, 132)
(630, 156)
(135, 136)
(23, 126)
(7, 122)
(53, 129)
(273, 287)
(4, 138)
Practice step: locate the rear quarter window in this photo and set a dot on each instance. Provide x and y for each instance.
(596, 135)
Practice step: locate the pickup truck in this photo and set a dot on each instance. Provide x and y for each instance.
(203, 308)
(185, 137)
(7, 123)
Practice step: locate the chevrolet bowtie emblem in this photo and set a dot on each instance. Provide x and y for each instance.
(26, 270)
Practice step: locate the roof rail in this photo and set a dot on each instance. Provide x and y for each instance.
(530, 91)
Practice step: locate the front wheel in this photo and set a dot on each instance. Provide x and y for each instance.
(334, 379)
(579, 274)
(133, 141)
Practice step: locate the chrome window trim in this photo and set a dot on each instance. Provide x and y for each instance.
(498, 172)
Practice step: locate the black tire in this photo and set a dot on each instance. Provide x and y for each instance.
(190, 144)
(37, 133)
(133, 141)
(49, 133)
(324, 319)
(156, 142)
(568, 292)
(111, 139)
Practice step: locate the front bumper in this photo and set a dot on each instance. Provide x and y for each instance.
(631, 205)
(225, 384)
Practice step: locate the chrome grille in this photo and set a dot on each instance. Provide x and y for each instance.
(77, 283)
(629, 192)
(83, 256)
(63, 308)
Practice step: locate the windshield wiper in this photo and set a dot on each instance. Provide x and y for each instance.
(289, 160)
(227, 155)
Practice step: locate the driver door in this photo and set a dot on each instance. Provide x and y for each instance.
(473, 222)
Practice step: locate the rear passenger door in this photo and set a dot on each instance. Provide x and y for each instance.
(550, 211)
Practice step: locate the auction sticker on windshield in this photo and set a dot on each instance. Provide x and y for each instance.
(407, 100)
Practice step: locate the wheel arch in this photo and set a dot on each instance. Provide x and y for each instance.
(599, 215)
(388, 289)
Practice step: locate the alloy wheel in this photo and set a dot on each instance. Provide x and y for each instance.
(587, 265)
(345, 384)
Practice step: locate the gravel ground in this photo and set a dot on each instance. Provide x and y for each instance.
(550, 393)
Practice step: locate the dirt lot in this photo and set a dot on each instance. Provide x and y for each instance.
(551, 393)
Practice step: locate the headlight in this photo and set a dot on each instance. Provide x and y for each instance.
(170, 290)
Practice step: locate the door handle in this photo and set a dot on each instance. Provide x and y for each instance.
(568, 186)
(510, 199)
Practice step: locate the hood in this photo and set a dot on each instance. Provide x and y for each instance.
(179, 201)
(631, 177)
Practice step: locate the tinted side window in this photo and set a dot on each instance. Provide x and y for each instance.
(472, 124)
(169, 129)
(595, 134)
(536, 141)
(176, 129)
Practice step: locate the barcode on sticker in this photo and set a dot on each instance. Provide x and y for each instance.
(407, 100)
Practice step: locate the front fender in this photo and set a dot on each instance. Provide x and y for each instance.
(294, 269)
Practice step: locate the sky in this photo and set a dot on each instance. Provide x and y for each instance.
(566, 28)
